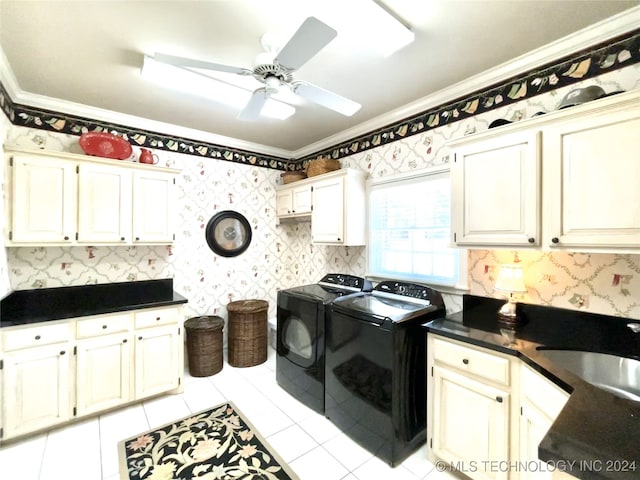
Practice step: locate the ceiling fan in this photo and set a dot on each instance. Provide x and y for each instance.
(275, 69)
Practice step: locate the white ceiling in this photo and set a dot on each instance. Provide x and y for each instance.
(90, 53)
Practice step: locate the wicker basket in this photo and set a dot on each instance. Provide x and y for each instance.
(289, 177)
(322, 165)
(248, 332)
(204, 345)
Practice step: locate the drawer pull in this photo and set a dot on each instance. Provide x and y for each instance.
(37, 337)
(499, 399)
(465, 361)
(104, 327)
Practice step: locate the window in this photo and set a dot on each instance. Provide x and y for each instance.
(409, 229)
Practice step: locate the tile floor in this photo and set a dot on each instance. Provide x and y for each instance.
(311, 444)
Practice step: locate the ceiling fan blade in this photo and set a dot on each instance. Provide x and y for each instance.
(326, 98)
(251, 111)
(191, 63)
(309, 39)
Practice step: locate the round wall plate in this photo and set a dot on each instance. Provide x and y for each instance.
(228, 233)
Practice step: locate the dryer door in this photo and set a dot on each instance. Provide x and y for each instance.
(300, 330)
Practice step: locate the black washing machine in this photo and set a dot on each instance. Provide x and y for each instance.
(302, 314)
(376, 361)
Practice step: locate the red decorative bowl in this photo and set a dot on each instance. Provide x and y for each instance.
(107, 145)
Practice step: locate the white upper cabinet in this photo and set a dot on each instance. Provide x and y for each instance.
(293, 201)
(57, 198)
(153, 207)
(497, 185)
(104, 204)
(338, 214)
(335, 202)
(44, 200)
(565, 180)
(593, 180)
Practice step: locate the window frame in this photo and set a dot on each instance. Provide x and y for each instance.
(461, 284)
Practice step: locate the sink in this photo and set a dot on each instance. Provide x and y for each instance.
(618, 375)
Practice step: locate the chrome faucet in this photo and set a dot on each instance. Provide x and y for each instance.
(634, 327)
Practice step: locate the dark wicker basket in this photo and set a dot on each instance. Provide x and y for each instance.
(248, 332)
(204, 345)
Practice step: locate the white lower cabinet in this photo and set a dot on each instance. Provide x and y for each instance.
(53, 372)
(157, 360)
(471, 424)
(36, 388)
(540, 403)
(103, 373)
(488, 412)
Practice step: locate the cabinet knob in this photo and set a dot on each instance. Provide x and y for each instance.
(465, 361)
(62, 352)
(66, 237)
(137, 238)
(104, 327)
(555, 240)
(140, 338)
(339, 239)
(499, 399)
(531, 240)
(157, 319)
(37, 337)
(122, 238)
(124, 341)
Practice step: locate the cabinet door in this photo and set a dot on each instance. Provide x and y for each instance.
(496, 191)
(541, 403)
(284, 202)
(301, 200)
(104, 204)
(157, 360)
(44, 200)
(327, 218)
(36, 388)
(471, 424)
(153, 201)
(103, 372)
(593, 167)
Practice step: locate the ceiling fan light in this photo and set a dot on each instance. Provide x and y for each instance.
(278, 110)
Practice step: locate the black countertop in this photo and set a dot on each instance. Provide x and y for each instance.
(598, 431)
(44, 304)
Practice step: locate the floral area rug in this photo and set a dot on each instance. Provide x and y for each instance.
(219, 443)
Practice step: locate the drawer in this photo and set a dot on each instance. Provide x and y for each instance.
(34, 336)
(471, 360)
(157, 316)
(103, 325)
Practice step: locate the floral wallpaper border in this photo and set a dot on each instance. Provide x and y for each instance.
(587, 63)
(25, 116)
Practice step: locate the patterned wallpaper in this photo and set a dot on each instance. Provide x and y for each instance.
(278, 257)
(283, 256)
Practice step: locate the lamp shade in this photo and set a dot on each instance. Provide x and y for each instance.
(510, 278)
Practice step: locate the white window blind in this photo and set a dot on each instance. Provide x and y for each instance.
(409, 229)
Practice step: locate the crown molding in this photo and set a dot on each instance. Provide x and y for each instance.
(612, 27)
